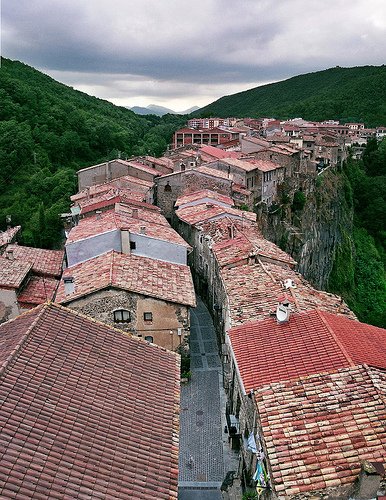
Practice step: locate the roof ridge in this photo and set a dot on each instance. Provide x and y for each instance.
(334, 336)
(18, 346)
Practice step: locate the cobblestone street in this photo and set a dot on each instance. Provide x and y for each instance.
(204, 456)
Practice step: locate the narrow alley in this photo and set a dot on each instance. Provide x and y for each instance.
(204, 455)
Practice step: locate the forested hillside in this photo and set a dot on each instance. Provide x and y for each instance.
(346, 94)
(47, 132)
(362, 279)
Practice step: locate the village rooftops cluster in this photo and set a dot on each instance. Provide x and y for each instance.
(88, 411)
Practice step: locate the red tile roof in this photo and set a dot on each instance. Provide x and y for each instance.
(88, 412)
(125, 218)
(39, 289)
(8, 235)
(246, 244)
(109, 198)
(213, 172)
(47, 262)
(13, 272)
(310, 342)
(203, 194)
(127, 182)
(264, 165)
(318, 429)
(217, 153)
(155, 278)
(253, 290)
(365, 343)
(207, 211)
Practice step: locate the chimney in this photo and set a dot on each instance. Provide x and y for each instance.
(134, 212)
(9, 254)
(69, 285)
(142, 230)
(98, 214)
(283, 309)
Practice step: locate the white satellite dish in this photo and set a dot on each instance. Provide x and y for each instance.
(282, 313)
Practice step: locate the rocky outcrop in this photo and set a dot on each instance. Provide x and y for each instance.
(314, 227)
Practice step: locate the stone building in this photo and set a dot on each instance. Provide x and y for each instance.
(146, 297)
(170, 187)
(106, 172)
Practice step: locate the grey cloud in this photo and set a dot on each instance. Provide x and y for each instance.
(190, 46)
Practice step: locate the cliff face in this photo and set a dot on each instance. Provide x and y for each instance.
(313, 223)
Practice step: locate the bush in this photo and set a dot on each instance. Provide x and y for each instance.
(299, 201)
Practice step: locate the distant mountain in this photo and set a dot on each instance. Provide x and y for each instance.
(153, 109)
(346, 94)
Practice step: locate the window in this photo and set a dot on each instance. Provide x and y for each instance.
(121, 316)
(148, 316)
(149, 338)
(168, 187)
(133, 245)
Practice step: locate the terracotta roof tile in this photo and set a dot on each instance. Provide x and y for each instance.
(318, 429)
(126, 182)
(213, 172)
(156, 278)
(217, 153)
(13, 272)
(8, 235)
(246, 244)
(203, 194)
(46, 262)
(310, 342)
(90, 412)
(109, 198)
(122, 217)
(253, 290)
(200, 213)
(39, 289)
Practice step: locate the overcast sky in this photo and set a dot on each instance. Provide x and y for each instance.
(179, 53)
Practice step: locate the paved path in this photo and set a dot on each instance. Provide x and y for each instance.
(204, 459)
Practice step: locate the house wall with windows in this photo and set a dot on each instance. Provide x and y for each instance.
(161, 322)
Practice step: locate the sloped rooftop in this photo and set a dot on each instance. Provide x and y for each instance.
(13, 272)
(206, 211)
(8, 235)
(202, 194)
(253, 291)
(248, 244)
(88, 412)
(39, 289)
(318, 429)
(155, 278)
(136, 219)
(47, 262)
(310, 342)
(127, 182)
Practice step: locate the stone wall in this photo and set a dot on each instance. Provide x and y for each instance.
(169, 325)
